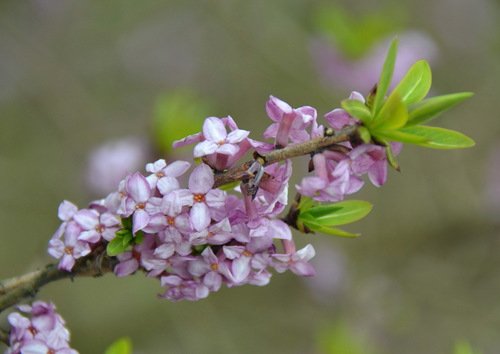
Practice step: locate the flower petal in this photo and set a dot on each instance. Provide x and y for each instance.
(138, 188)
(214, 129)
(200, 216)
(86, 218)
(167, 184)
(237, 136)
(66, 210)
(275, 108)
(140, 220)
(228, 149)
(177, 168)
(201, 179)
(204, 148)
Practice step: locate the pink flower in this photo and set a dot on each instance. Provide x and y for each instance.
(372, 159)
(44, 332)
(289, 123)
(70, 249)
(164, 177)
(215, 143)
(296, 261)
(207, 202)
(96, 226)
(137, 201)
(333, 178)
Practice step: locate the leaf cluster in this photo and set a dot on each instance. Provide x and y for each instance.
(400, 116)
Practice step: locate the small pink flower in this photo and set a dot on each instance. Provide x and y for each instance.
(296, 261)
(95, 225)
(289, 123)
(70, 249)
(206, 202)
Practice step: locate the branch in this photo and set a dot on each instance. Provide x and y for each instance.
(13, 290)
(239, 173)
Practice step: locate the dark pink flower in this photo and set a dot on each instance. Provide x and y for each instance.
(289, 123)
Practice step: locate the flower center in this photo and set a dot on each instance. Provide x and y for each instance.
(199, 198)
(214, 267)
(100, 228)
(33, 330)
(160, 174)
(68, 250)
(170, 220)
(51, 351)
(140, 206)
(247, 253)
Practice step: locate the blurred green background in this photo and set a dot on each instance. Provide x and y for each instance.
(424, 275)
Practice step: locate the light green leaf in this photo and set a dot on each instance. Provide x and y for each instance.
(329, 230)
(399, 135)
(229, 186)
(391, 158)
(364, 134)
(415, 84)
(385, 76)
(120, 346)
(115, 247)
(336, 214)
(429, 108)
(440, 138)
(357, 109)
(393, 114)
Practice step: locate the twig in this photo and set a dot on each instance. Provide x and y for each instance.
(239, 173)
(13, 290)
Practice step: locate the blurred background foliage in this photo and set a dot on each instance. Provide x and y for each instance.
(75, 75)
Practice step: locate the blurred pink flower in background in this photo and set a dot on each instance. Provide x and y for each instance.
(109, 163)
(331, 273)
(339, 71)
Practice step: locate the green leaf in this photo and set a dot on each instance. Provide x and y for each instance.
(357, 109)
(364, 134)
(329, 230)
(429, 108)
(115, 247)
(229, 186)
(127, 223)
(391, 158)
(440, 138)
(120, 346)
(139, 237)
(415, 84)
(399, 135)
(127, 239)
(393, 114)
(335, 214)
(385, 76)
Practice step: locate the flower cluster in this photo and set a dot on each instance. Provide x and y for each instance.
(42, 331)
(197, 238)
(337, 174)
